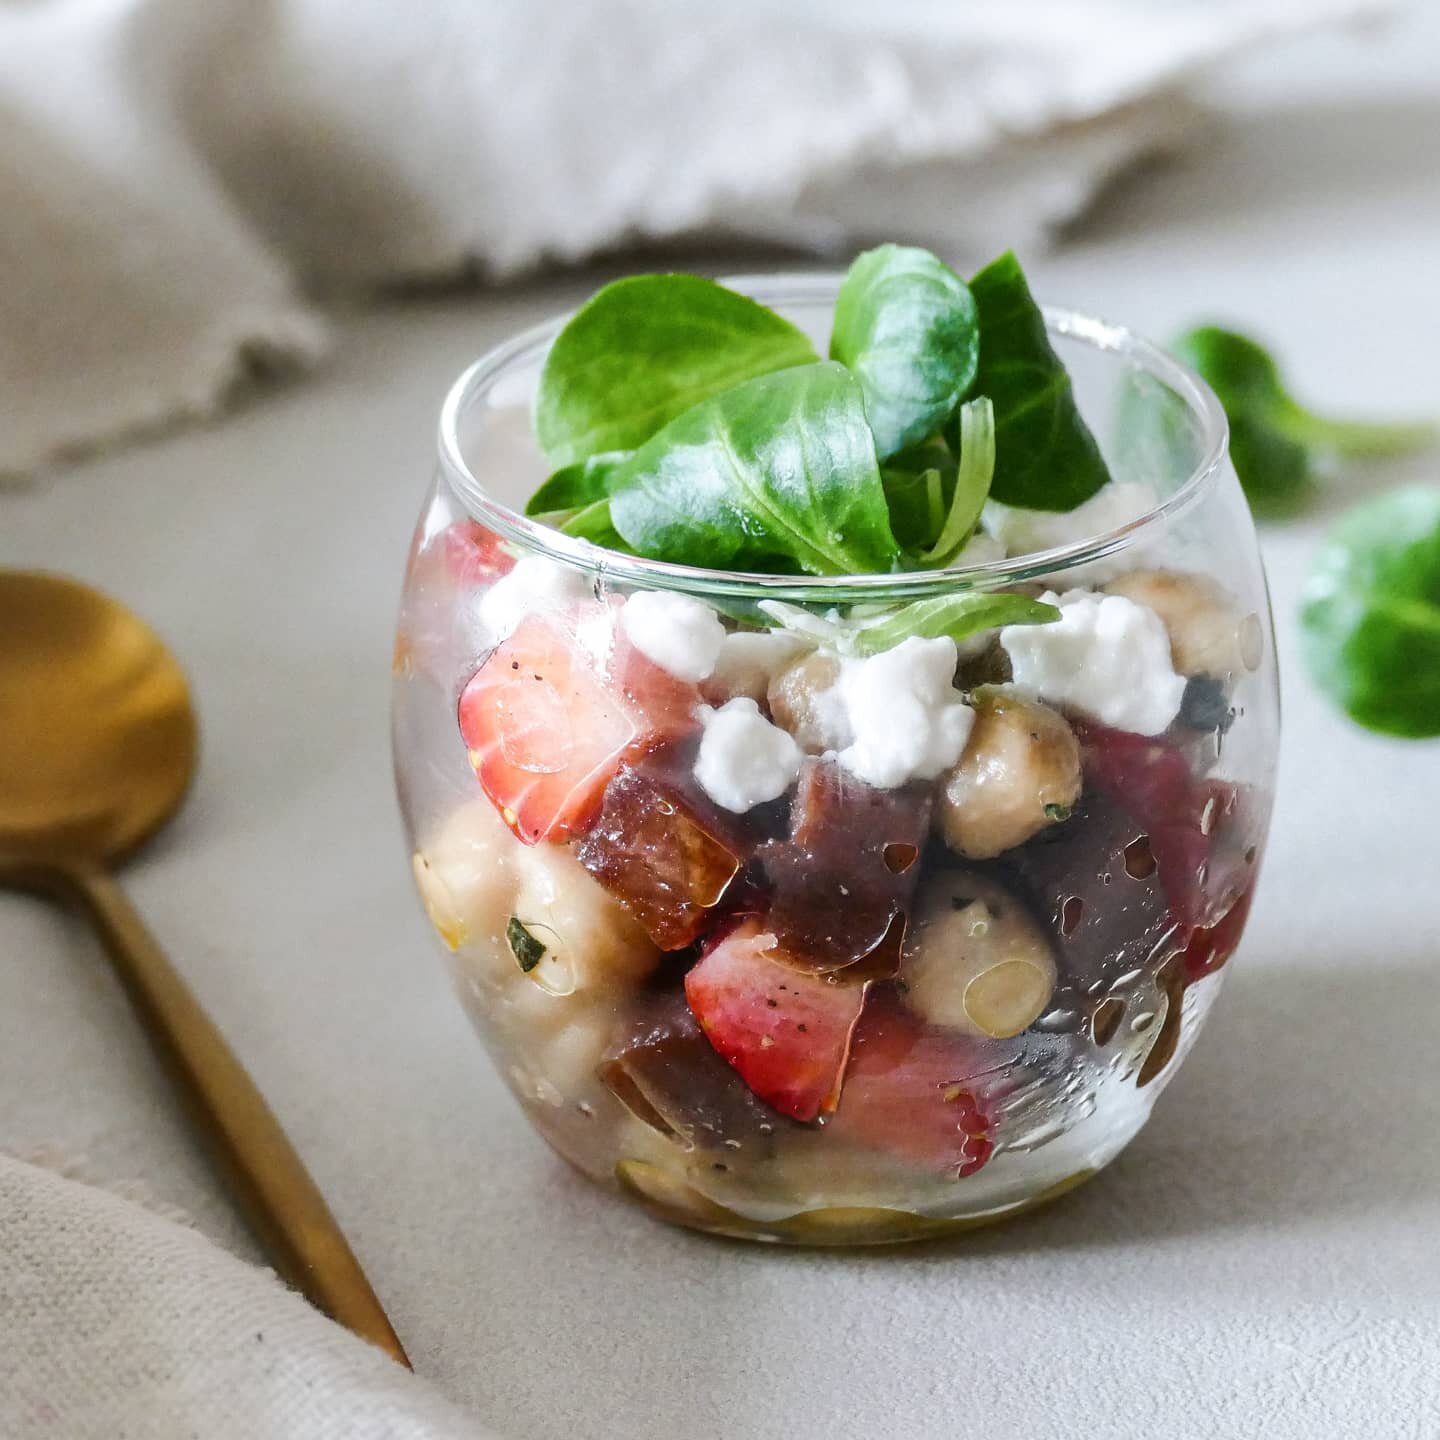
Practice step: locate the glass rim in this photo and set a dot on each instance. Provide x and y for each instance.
(808, 287)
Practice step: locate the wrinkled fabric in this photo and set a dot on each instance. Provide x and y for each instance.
(117, 1323)
(176, 179)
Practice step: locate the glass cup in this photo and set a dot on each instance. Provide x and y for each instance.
(843, 1013)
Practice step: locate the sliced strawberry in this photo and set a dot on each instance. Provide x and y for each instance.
(471, 554)
(787, 1032)
(916, 1091)
(551, 713)
(459, 557)
(438, 633)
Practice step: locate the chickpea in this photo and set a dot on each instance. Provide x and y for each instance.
(466, 875)
(590, 939)
(749, 661)
(475, 876)
(975, 959)
(800, 703)
(1020, 771)
(1208, 635)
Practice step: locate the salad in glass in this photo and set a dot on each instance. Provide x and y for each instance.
(839, 783)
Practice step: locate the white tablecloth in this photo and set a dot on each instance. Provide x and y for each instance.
(1261, 1261)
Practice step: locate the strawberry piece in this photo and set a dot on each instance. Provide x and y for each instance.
(460, 557)
(916, 1091)
(663, 850)
(552, 712)
(785, 1031)
(471, 554)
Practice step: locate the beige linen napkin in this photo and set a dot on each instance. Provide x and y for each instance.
(173, 175)
(117, 1323)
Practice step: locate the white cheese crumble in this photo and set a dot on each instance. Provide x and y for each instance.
(905, 717)
(679, 633)
(1025, 532)
(534, 584)
(1110, 661)
(744, 760)
(980, 549)
(750, 659)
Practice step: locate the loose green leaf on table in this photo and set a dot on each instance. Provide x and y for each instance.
(779, 468)
(905, 324)
(646, 349)
(1045, 456)
(958, 616)
(1370, 614)
(1275, 442)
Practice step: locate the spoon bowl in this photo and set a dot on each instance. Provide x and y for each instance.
(99, 742)
(96, 718)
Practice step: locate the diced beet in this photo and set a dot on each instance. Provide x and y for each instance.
(1094, 883)
(915, 1091)
(551, 714)
(786, 1031)
(668, 1075)
(655, 849)
(1199, 831)
(848, 872)
(1210, 946)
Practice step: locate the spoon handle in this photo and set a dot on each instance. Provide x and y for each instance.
(265, 1175)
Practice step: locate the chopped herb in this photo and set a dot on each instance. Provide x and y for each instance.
(1057, 812)
(528, 951)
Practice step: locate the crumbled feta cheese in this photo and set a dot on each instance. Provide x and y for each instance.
(1110, 661)
(750, 659)
(980, 549)
(1024, 532)
(906, 719)
(679, 633)
(744, 760)
(534, 584)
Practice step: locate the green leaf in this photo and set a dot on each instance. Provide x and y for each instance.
(906, 325)
(595, 524)
(1275, 442)
(574, 486)
(972, 481)
(1370, 614)
(1046, 457)
(527, 950)
(644, 350)
(779, 468)
(919, 484)
(958, 616)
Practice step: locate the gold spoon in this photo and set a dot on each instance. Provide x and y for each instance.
(97, 747)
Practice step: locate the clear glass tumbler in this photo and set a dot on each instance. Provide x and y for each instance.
(848, 1014)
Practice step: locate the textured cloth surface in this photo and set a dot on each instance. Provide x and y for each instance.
(174, 176)
(119, 1324)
